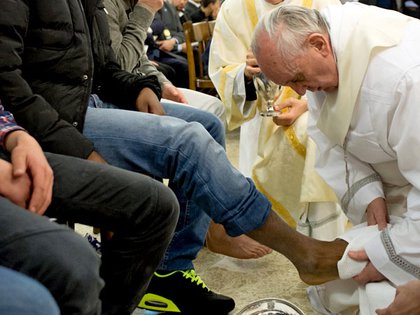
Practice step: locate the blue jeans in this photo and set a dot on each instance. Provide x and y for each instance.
(178, 147)
(21, 295)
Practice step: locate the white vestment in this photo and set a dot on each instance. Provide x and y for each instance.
(280, 160)
(379, 155)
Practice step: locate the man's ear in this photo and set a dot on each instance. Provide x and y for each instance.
(318, 42)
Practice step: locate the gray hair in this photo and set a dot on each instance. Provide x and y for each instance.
(289, 26)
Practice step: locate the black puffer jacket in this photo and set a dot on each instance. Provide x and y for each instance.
(53, 55)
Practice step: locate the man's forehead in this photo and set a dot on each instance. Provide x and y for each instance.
(273, 65)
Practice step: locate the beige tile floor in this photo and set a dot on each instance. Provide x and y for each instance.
(248, 280)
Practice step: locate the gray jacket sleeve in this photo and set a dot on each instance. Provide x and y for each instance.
(128, 34)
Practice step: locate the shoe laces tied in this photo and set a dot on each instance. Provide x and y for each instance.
(191, 274)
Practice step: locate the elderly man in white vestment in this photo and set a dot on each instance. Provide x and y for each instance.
(277, 153)
(361, 65)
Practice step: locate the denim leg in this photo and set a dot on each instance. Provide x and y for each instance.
(184, 152)
(54, 255)
(20, 295)
(140, 211)
(210, 122)
(193, 222)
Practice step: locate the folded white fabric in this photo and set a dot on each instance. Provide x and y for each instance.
(356, 237)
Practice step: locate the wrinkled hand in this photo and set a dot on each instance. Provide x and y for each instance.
(251, 67)
(172, 93)
(28, 161)
(290, 110)
(167, 44)
(369, 273)
(406, 302)
(154, 5)
(377, 213)
(147, 102)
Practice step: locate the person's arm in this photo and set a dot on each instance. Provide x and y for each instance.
(119, 86)
(28, 179)
(395, 253)
(128, 34)
(7, 124)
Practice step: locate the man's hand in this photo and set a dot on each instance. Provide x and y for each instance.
(184, 48)
(153, 5)
(28, 160)
(369, 273)
(406, 302)
(377, 213)
(15, 188)
(95, 156)
(147, 102)
(251, 67)
(290, 110)
(172, 93)
(167, 44)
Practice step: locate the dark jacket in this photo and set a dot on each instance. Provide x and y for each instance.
(53, 55)
(190, 8)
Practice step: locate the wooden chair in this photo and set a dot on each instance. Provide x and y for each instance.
(197, 38)
(212, 24)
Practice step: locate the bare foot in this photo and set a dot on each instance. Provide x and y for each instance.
(320, 262)
(241, 246)
(316, 261)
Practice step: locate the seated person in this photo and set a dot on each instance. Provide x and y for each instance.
(208, 11)
(128, 22)
(180, 7)
(85, 192)
(166, 43)
(191, 7)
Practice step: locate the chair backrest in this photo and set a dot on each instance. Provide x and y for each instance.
(212, 24)
(197, 38)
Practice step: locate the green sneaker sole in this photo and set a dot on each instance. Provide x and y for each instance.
(158, 303)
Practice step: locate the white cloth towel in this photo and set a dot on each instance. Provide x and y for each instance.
(356, 237)
(345, 296)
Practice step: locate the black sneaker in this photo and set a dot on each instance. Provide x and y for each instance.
(184, 292)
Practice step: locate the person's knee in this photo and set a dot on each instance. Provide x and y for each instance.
(20, 294)
(209, 124)
(218, 130)
(158, 206)
(73, 272)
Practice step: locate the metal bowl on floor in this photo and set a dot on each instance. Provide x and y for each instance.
(271, 306)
